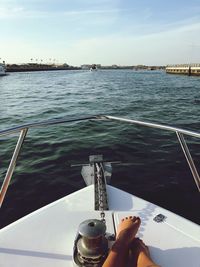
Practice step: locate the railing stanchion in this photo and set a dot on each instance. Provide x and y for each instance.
(189, 159)
(12, 164)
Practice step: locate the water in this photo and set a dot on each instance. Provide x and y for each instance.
(158, 172)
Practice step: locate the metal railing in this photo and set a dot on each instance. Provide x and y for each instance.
(23, 129)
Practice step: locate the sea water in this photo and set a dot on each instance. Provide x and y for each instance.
(152, 163)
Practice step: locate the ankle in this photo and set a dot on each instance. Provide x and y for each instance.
(119, 245)
(123, 239)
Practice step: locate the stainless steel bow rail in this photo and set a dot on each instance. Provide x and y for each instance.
(23, 129)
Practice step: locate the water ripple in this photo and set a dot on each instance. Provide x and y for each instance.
(155, 168)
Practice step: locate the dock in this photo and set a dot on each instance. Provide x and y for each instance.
(185, 69)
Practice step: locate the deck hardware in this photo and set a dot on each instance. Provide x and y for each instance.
(160, 218)
(91, 244)
(98, 172)
(111, 237)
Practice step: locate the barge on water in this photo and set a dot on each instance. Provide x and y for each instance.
(186, 69)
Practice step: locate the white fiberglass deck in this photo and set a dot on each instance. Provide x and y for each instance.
(45, 237)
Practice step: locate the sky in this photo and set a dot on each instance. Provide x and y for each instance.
(122, 32)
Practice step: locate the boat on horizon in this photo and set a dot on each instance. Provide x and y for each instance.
(93, 67)
(56, 235)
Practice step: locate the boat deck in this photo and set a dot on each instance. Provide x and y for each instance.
(46, 236)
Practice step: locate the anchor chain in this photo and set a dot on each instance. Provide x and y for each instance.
(101, 191)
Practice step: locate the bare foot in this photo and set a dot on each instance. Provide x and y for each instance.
(127, 229)
(139, 254)
(118, 255)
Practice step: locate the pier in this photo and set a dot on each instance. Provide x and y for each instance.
(186, 69)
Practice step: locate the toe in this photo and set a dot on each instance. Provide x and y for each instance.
(134, 218)
(138, 219)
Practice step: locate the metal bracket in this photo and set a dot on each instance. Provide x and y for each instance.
(160, 218)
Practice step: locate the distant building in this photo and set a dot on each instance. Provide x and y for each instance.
(85, 67)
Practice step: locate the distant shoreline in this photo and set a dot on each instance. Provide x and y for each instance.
(45, 67)
(38, 69)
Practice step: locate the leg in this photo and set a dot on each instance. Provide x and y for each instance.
(126, 232)
(139, 255)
